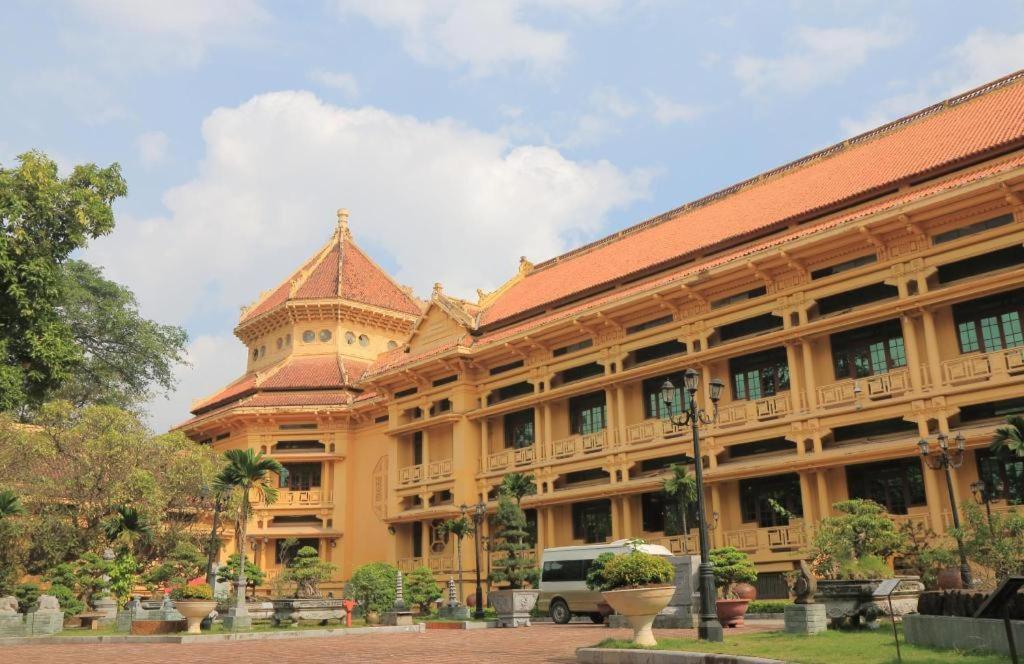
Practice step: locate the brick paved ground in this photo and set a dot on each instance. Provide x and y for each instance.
(540, 643)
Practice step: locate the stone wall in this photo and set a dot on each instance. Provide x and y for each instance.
(961, 633)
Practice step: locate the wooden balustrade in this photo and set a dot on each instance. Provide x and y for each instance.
(877, 386)
(313, 496)
(579, 445)
(410, 474)
(513, 457)
(680, 545)
(758, 410)
(435, 470)
(979, 367)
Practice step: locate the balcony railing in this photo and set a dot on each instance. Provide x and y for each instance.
(437, 565)
(978, 367)
(773, 539)
(758, 410)
(302, 497)
(648, 431)
(435, 470)
(410, 474)
(579, 445)
(521, 456)
(878, 386)
(678, 544)
(439, 470)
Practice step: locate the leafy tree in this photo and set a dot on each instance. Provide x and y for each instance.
(731, 566)
(1009, 439)
(67, 599)
(13, 549)
(596, 578)
(307, 572)
(248, 472)
(373, 586)
(996, 545)
(184, 563)
(518, 486)
(856, 542)
(921, 556)
(85, 578)
(458, 528)
(420, 588)
(515, 567)
(228, 572)
(681, 489)
(124, 574)
(43, 219)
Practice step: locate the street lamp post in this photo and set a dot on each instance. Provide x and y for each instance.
(949, 459)
(478, 515)
(709, 629)
(984, 497)
(213, 546)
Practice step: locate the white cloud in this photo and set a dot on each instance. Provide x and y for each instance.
(85, 96)
(134, 32)
(822, 55)
(667, 112)
(983, 56)
(442, 201)
(213, 361)
(152, 147)
(483, 36)
(608, 100)
(342, 81)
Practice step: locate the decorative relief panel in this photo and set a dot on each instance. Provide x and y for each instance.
(379, 484)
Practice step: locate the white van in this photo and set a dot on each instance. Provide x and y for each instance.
(563, 579)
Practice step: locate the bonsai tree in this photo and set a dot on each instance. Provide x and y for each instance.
(1008, 440)
(373, 586)
(184, 563)
(731, 566)
(27, 595)
(421, 589)
(67, 599)
(307, 572)
(458, 528)
(995, 544)
(681, 490)
(249, 472)
(254, 576)
(199, 591)
(856, 543)
(920, 554)
(515, 568)
(83, 581)
(635, 569)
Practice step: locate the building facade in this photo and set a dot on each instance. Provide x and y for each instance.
(853, 302)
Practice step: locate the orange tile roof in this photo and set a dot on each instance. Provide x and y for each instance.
(340, 269)
(940, 137)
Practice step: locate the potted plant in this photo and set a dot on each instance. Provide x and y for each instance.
(373, 586)
(850, 554)
(731, 567)
(194, 603)
(515, 602)
(306, 571)
(637, 585)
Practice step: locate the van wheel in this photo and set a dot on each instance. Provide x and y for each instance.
(597, 618)
(560, 613)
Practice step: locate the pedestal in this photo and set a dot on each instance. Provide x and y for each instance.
(805, 618)
(455, 612)
(108, 607)
(237, 619)
(396, 618)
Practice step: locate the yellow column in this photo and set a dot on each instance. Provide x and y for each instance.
(805, 498)
(426, 453)
(627, 517)
(485, 443)
(551, 526)
(616, 503)
(824, 503)
(931, 344)
(934, 493)
(811, 387)
(548, 434)
(611, 418)
(425, 539)
(620, 397)
(913, 355)
(795, 382)
(717, 536)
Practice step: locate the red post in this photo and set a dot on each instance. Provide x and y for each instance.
(349, 604)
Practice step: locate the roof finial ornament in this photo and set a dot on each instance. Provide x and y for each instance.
(525, 266)
(437, 289)
(343, 222)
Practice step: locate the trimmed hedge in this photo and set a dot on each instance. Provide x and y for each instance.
(768, 605)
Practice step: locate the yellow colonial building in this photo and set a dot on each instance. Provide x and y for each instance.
(853, 301)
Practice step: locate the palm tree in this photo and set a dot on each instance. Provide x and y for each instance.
(9, 504)
(459, 528)
(1010, 438)
(248, 471)
(127, 527)
(681, 486)
(518, 485)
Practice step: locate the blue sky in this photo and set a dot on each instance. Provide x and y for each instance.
(461, 134)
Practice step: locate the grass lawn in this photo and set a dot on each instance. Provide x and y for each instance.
(832, 647)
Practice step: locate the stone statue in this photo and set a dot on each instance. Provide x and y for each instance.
(452, 601)
(48, 603)
(9, 604)
(399, 593)
(805, 585)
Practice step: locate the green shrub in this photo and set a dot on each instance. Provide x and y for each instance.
(595, 575)
(27, 595)
(228, 572)
(731, 566)
(199, 591)
(517, 567)
(861, 529)
(67, 599)
(307, 572)
(768, 605)
(373, 585)
(636, 569)
(420, 588)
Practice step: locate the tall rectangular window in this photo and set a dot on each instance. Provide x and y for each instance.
(519, 429)
(769, 501)
(759, 375)
(592, 521)
(1003, 477)
(302, 476)
(868, 350)
(990, 323)
(417, 539)
(417, 448)
(587, 413)
(896, 485)
(654, 405)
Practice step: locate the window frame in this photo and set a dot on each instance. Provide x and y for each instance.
(754, 507)
(986, 462)
(971, 315)
(651, 388)
(771, 363)
(860, 477)
(860, 344)
(519, 418)
(587, 404)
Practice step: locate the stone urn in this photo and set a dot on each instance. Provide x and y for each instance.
(731, 611)
(852, 602)
(291, 611)
(194, 610)
(513, 606)
(949, 579)
(639, 606)
(372, 617)
(744, 591)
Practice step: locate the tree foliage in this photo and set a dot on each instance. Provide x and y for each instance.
(681, 489)
(307, 572)
(1008, 440)
(420, 588)
(731, 566)
(184, 563)
(228, 572)
(514, 566)
(86, 578)
(373, 586)
(996, 544)
(856, 542)
(634, 570)
(518, 486)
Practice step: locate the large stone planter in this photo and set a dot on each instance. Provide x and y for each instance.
(513, 606)
(194, 610)
(731, 611)
(639, 606)
(852, 602)
(320, 610)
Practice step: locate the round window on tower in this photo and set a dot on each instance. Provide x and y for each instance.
(325, 335)
(309, 336)
(392, 344)
(364, 340)
(350, 337)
